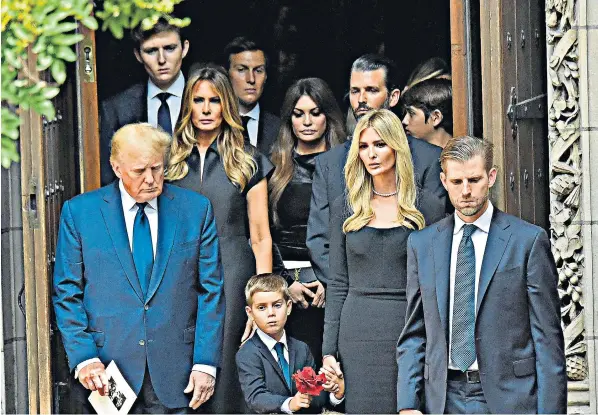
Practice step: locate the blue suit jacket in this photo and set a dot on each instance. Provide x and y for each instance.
(518, 335)
(100, 308)
(262, 380)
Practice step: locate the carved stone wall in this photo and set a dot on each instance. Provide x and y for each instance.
(566, 177)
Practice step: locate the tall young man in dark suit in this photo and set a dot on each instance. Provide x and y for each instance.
(372, 86)
(138, 280)
(161, 51)
(246, 62)
(483, 331)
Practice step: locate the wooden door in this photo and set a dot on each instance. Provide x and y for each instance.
(59, 159)
(525, 170)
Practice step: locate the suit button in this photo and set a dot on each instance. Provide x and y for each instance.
(141, 343)
(146, 307)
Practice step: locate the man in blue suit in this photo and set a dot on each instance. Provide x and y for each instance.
(483, 331)
(138, 280)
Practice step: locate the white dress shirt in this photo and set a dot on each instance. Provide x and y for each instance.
(479, 238)
(252, 123)
(270, 344)
(151, 211)
(174, 101)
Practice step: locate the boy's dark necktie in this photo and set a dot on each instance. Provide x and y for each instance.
(284, 365)
(164, 120)
(463, 342)
(143, 253)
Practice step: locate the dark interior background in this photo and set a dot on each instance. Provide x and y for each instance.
(302, 38)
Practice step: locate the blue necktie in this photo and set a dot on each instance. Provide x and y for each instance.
(143, 253)
(164, 113)
(463, 342)
(284, 365)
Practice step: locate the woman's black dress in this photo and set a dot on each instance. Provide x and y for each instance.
(238, 261)
(306, 325)
(365, 312)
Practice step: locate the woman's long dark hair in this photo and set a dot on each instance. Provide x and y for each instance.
(282, 151)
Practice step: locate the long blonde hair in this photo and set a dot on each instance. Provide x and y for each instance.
(239, 165)
(359, 182)
(282, 150)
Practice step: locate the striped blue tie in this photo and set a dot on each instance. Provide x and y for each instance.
(463, 342)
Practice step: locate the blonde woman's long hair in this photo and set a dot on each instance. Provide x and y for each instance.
(359, 182)
(239, 165)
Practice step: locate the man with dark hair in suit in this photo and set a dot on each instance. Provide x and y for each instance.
(138, 280)
(483, 328)
(158, 101)
(372, 86)
(246, 63)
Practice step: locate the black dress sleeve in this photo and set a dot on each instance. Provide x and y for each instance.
(338, 286)
(264, 168)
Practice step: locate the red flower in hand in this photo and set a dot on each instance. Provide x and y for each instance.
(308, 382)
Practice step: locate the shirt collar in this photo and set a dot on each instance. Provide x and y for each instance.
(483, 222)
(128, 201)
(254, 114)
(270, 342)
(175, 89)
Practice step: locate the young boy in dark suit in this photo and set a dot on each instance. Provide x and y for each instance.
(268, 359)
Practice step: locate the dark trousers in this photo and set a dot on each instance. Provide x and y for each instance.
(465, 398)
(147, 401)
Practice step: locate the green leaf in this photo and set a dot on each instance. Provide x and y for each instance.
(56, 17)
(58, 70)
(117, 30)
(39, 13)
(44, 61)
(40, 44)
(66, 54)
(61, 28)
(9, 152)
(90, 22)
(50, 92)
(67, 40)
(44, 108)
(21, 33)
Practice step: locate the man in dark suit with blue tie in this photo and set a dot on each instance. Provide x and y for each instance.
(483, 331)
(138, 280)
(161, 51)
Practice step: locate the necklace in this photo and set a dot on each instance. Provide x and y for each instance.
(384, 194)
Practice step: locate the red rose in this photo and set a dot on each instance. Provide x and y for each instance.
(308, 382)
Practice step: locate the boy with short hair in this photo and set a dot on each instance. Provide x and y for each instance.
(268, 359)
(429, 111)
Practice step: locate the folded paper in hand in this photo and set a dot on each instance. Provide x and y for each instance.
(120, 396)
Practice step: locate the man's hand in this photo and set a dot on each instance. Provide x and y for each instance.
(300, 400)
(320, 297)
(410, 412)
(330, 364)
(93, 377)
(202, 386)
(249, 330)
(298, 293)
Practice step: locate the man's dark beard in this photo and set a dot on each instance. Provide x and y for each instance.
(364, 106)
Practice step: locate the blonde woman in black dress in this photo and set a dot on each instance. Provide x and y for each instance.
(366, 302)
(209, 155)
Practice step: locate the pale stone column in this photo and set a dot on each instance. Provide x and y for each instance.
(572, 36)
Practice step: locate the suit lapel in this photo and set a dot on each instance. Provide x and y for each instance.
(112, 211)
(442, 267)
(498, 238)
(268, 356)
(168, 216)
(260, 134)
(292, 360)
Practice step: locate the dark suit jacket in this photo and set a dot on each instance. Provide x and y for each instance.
(267, 131)
(329, 184)
(519, 341)
(262, 380)
(100, 308)
(127, 107)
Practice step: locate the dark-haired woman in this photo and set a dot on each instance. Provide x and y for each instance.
(311, 123)
(209, 156)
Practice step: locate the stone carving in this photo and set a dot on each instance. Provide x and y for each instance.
(565, 177)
